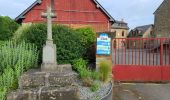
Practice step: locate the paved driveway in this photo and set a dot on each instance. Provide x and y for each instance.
(141, 91)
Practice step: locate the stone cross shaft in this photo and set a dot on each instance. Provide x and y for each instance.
(49, 15)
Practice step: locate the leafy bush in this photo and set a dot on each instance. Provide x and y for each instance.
(105, 70)
(19, 31)
(3, 92)
(79, 64)
(15, 59)
(36, 34)
(95, 75)
(70, 45)
(7, 28)
(87, 38)
(12, 53)
(85, 74)
(95, 86)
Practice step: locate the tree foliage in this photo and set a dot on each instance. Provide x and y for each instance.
(71, 44)
(7, 28)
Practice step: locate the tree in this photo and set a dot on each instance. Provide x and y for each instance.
(7, 27)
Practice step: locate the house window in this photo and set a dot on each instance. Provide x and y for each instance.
(151, 33)
(123, 33)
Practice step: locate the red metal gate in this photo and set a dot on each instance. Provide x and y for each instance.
(141, 59)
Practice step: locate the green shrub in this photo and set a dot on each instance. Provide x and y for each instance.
(95, 86)
(7, 28)
(69, 44)
(8, 78)
(35, 34)
(19, 31)
(105, 70)
(86, 35)
(3, 92)
(84, 73)
(79, 64)
(87, 38)
(13, 54)
(95, 75)
(15, 59)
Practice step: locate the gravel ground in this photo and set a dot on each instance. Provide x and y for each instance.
(87, 94)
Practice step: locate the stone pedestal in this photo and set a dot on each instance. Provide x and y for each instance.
(39, 85)
(46, 93)
(49, 57)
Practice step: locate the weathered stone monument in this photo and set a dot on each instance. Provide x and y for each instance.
(49, 50)
(52, 82)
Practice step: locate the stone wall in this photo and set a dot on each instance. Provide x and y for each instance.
(162, 20)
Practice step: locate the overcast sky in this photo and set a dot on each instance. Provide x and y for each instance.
(134, 12)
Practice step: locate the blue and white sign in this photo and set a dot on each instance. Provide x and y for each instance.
(103, 44)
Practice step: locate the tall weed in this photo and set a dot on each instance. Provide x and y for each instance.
(105, 70)
(15, 58)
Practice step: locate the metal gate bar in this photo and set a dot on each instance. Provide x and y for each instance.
(141, 51)
(141, 59)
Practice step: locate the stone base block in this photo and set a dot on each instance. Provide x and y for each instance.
(49, 67)
(31, 94)
(39, 79)
(46, 93)
(66, 93)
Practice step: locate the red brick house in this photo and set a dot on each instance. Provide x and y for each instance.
(75, 13)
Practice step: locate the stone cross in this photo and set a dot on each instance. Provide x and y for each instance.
(49, 50)
(49, 15)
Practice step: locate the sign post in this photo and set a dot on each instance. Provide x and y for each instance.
(103, 52)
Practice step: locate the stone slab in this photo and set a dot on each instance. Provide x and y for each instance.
(46, 93)
(32, 80)
(62, 80)
(39, 79)
(66, 93)
(55, 68)
(31, 94)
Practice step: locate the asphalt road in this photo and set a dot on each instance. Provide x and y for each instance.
(141, 91)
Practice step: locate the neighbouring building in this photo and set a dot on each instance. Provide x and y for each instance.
(75, 13)
(162, 20)
(145, 31)
(120, 29)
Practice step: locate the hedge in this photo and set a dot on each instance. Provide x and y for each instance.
(71, 44)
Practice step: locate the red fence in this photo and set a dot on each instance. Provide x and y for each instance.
(141, 59)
